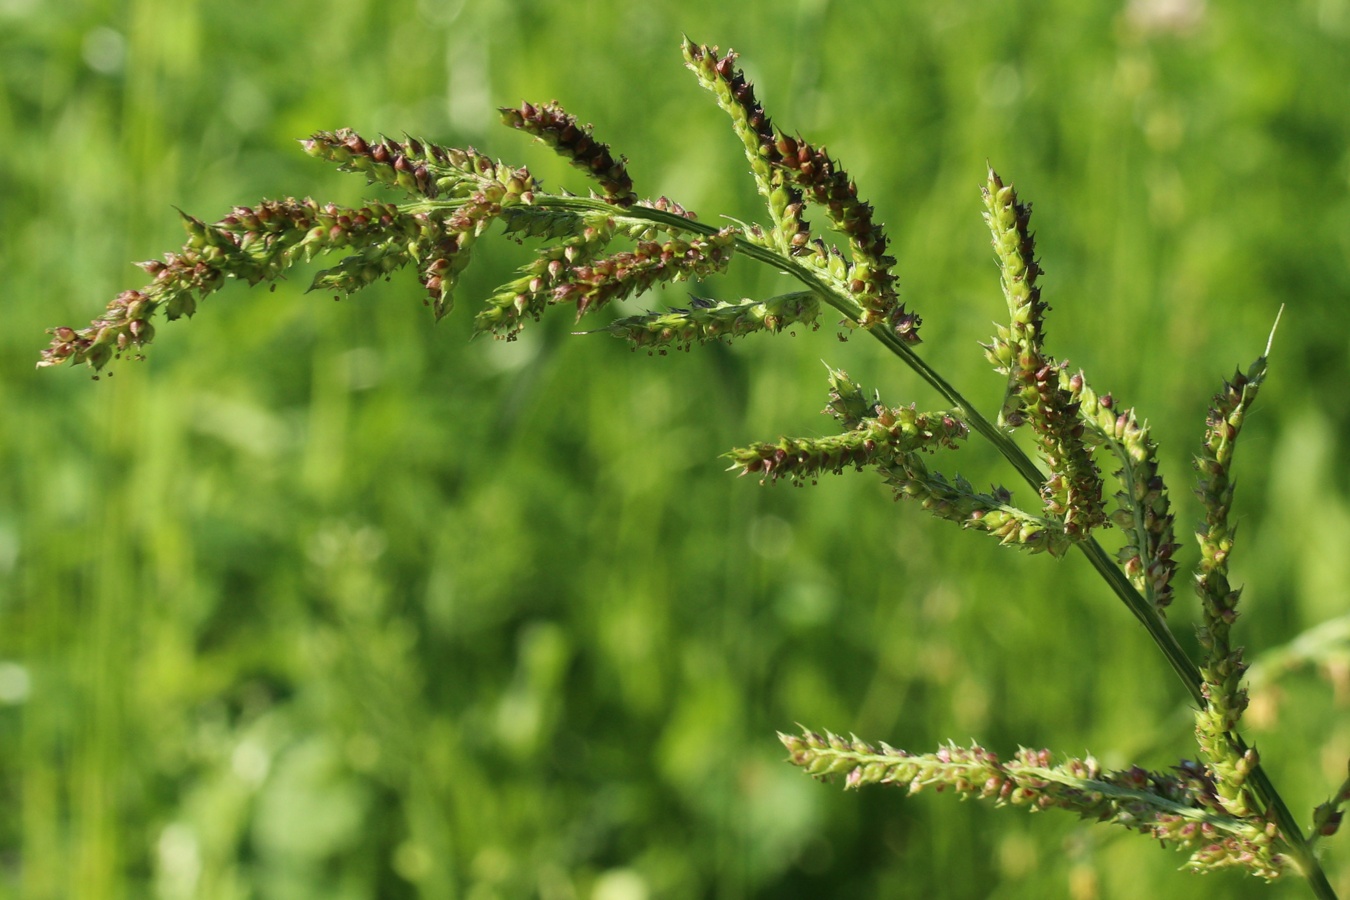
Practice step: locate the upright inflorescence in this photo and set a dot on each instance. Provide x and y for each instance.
(1143, 511)
(1073, 491)
(1017, 350)
(1222, 666)
(790, 233)
(789, 169)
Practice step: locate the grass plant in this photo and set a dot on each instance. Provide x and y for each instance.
(1096, 467)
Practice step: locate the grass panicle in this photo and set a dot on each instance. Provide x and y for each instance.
(595, 251)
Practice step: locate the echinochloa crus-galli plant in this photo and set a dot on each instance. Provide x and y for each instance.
(1098, 464)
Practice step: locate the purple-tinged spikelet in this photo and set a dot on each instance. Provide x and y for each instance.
(575, 142)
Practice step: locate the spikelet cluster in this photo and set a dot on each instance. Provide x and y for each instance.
(736, 95)
(706, 320)
(1327, 817)
(574, 274)
(956, 500)
(875, 440)
(577, 144)
(1143, 510)
(421, 168)
(1073, 491)
(1222, 665)
(894, 442)
(789, 170)
(254, 244)
(1178, 809)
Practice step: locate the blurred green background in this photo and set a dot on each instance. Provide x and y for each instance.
(322, 601)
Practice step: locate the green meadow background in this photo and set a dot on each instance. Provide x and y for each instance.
(322, 601)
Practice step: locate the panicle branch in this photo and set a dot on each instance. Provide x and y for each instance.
(1073, 491)
(955, 500)
(873, 434)
(875, 440)
(1143, 510)
(790, 233)
(575, 273)
(554, 126)
(710, 320)
(787, 170)
(256, 244)
(870, 279)
(993, 513)
(419, 167)
(893, 441)
(1177, 809)
(486, 191)
(504, 313)
(1222, 665)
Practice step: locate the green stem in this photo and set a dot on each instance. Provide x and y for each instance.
(1185, 669)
